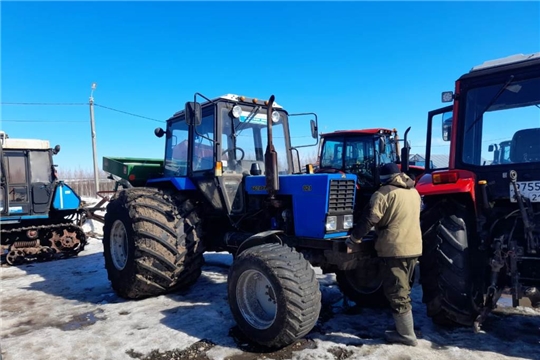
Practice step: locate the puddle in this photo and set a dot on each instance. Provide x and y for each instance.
(82, 320)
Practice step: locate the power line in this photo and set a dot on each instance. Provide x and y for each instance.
(75, 104)
(128, 113)
(44, 121)
(41, 103)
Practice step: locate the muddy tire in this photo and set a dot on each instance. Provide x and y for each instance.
(446, 271)
(273, 294)
(363, 285)
(151, 243)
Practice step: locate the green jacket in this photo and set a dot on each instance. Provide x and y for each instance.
(394, 211)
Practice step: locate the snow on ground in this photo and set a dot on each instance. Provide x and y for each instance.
(67, 310)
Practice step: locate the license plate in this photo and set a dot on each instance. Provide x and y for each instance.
(529, 189)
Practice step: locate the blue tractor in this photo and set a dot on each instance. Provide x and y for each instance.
(221, 187)
(39, 214)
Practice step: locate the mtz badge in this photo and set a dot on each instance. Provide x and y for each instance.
(306, 187)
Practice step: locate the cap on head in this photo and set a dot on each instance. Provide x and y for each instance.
(388, 172)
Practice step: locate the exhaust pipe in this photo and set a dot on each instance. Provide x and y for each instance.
(270, 156)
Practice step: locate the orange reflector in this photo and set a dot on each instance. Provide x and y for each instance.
(254, 100)
(482, 182)
(266, 102)
(131, 177)
(242, 98)
(445, 178)
(309, 169)
(219, 169)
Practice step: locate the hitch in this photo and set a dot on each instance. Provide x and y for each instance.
(493, 293)
(528, 229)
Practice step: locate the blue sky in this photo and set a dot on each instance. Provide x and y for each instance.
(356, 64)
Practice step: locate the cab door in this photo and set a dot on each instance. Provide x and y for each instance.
(18, 191)
(40, 164)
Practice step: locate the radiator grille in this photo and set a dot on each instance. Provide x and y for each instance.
(341, 197)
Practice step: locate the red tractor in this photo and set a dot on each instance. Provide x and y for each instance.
(363, 152)
(481, 218)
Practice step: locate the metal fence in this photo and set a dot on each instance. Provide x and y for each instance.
(87, 187)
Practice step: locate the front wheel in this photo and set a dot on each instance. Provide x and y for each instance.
(363, 285)
(273, 294)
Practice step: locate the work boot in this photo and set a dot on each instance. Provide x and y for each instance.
(404, 332)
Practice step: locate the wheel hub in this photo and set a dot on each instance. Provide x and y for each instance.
(119, 245)
(256, 299)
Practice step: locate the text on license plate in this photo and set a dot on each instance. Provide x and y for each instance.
(529, 189)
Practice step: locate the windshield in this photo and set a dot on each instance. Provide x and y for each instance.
(357, 155)
(509, 130)
(244, 140)
(349, 153)
(41, 169)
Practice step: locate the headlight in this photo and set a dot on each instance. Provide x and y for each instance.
(275, 116)
(348, 221)
(236, 111)
(331, 223)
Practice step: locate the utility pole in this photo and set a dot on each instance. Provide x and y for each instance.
(92, 126)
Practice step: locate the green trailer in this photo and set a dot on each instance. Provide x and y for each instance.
(136, 171)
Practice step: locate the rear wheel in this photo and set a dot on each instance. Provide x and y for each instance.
(273, 294)
(151, 243)
(446, 271)
(363, 284)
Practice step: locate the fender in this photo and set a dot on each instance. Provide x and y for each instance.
(451, 182)
(264, 237)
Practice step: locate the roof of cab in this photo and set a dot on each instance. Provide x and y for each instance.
(357, 132)
(235, 98)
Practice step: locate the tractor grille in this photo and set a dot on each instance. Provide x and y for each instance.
(341, 197)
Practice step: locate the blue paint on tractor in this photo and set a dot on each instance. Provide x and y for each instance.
(180, 183)
(65, 198)
(310, 197)
(17, 219)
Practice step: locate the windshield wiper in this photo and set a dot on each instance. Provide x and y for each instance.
(497, 95)
(250, 117)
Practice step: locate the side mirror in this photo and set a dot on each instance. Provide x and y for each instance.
(314, 130)
(159, 132)
(491, 148)
(447, 129)
(193, 113)
(56, 149)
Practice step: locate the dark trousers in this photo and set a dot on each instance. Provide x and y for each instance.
(397, 276)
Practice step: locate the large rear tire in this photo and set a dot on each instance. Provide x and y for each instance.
(363, 285)
(273, 294)
(151, 243)
(446, 271)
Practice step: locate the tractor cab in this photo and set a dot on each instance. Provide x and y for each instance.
(501, 152)
(363, 153)
(497, 100)
(360, 152)
(220, 142)
(28, 175)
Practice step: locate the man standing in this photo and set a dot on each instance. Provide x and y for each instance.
(394, 211)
